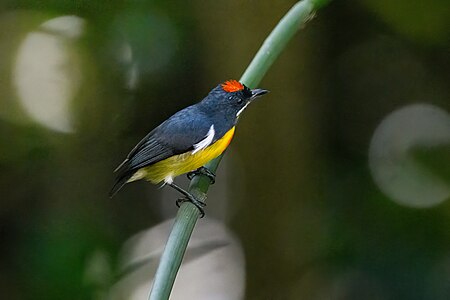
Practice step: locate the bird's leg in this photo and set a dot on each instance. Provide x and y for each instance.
(202, 171)
(188, 197)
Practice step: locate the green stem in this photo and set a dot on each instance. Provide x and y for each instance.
(188, 214)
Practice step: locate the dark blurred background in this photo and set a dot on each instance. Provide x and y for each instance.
(336, 185)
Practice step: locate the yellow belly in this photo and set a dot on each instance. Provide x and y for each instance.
(183, 163)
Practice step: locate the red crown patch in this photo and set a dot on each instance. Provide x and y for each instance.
(232, 86)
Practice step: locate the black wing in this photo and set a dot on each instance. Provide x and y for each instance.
(176, 135)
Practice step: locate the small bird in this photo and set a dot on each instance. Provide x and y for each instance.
(188, 140)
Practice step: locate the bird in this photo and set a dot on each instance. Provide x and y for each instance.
(188, 140)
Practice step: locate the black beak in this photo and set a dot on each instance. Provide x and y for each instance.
(258, 92)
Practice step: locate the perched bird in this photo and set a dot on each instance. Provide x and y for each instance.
(188, 139)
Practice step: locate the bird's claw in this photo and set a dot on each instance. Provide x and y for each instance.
(190, 198)
(202, 171)
(199, 204)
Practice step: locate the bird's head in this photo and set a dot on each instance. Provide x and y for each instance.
(232, 97)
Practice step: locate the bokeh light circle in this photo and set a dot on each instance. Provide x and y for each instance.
(47, 72)
(395, 170)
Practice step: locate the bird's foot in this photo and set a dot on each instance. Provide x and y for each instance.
(202, 171)
(199, 204)
(189, 198)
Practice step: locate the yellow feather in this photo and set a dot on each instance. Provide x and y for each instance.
(183, 163)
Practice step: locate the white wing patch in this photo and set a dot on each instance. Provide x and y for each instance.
(206, 141)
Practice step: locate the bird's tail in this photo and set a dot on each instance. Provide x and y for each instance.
(123, 175)
(120, 182)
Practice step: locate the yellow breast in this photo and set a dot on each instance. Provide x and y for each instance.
(183, 163)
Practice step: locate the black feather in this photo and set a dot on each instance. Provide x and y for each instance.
(176, 135)
(118, 184)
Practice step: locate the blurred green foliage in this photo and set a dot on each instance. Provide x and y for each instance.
(312, 221)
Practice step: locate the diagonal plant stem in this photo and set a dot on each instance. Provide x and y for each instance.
(188, 214)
